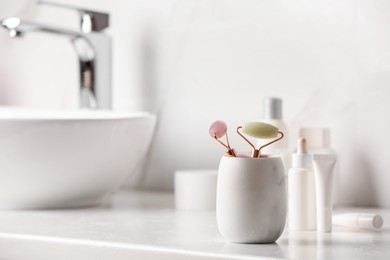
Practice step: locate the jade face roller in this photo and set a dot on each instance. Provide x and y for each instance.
(259, 130)
(217, 130)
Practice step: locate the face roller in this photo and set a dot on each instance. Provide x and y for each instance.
(262, 131)
(218, 130)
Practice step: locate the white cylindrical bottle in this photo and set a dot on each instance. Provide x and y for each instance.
(301, 190)
(358, 220)
(272, 114)
(324, 165)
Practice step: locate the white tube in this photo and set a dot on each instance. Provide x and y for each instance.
(323, 173)
(358, 220)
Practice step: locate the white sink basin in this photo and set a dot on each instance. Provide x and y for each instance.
(58, 159)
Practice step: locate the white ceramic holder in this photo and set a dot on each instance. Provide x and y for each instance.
(251, 199)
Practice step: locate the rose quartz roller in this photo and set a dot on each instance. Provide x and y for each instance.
(218, 129)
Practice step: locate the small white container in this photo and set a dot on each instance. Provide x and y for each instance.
(358, 220)
(251, 199)
(324, 165)
(195, 189)
(301, 190)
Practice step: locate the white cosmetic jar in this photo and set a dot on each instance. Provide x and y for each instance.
(251, 199)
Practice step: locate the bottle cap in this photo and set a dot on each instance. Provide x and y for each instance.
(370, 221)
(272, 108)
(316, 137)
(301, 159)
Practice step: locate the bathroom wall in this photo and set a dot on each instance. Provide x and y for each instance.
(195, 61)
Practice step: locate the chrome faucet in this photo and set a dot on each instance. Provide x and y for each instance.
(92, 46)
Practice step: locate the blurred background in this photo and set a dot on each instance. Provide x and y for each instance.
(195, 61)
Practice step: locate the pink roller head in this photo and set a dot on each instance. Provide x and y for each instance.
(218, 129)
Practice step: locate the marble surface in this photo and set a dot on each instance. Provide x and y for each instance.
(145, 225)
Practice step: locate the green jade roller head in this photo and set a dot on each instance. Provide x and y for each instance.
(259, 130)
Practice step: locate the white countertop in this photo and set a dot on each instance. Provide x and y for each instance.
(145, 225)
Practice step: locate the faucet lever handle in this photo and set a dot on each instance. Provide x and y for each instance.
(91, 21)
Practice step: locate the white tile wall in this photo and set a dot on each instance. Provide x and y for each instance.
(194, 61)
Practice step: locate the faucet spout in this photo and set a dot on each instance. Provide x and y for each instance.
(82, 45)
(18, 28)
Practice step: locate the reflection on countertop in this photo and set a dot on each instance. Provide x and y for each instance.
(145, 224)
